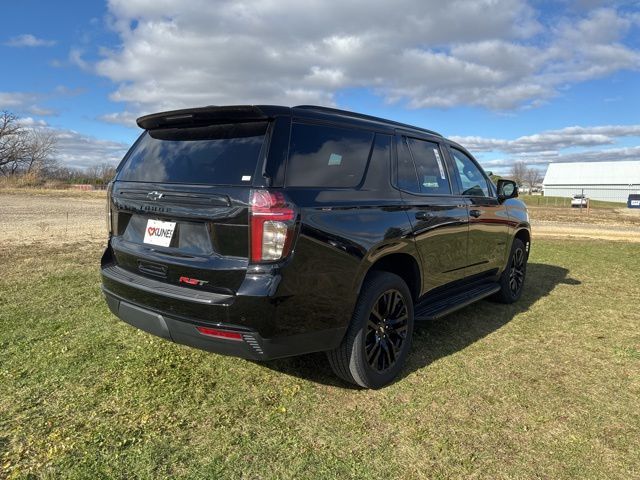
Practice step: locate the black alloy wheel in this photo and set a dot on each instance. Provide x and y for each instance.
(386, 330)
(378, 340)
(512, 279)
(517, 271)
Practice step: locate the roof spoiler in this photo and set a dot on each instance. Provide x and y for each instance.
(202, 116)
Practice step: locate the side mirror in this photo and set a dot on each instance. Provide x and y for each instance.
(507, 189)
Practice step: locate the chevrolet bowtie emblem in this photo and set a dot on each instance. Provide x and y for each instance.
(154, 195)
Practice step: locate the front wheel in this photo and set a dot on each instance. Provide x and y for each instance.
(378, 340)
(512, 279)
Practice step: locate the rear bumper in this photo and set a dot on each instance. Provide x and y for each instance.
(174, 313)
(252, 346)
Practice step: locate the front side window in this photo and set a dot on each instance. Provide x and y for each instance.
(327, 156)
(473, 181)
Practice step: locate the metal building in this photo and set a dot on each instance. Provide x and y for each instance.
(609, 181)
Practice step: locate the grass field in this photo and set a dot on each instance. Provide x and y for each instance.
(565, 202)
(546, 388)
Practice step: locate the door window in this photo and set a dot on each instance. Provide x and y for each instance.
(421, 168)
(473, 181)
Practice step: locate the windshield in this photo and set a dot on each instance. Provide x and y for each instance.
(215, 154)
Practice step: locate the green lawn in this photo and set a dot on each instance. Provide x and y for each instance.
(546, 388)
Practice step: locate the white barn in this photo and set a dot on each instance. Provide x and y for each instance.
(610, 181)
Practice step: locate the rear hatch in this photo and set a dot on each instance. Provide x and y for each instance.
(179, 204)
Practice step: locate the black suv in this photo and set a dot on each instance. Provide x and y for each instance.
(267, 231)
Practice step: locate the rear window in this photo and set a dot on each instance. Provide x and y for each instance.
(327, 156)
(215, 154)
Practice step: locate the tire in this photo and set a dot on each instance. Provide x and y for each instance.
(513, 277)
(378, 340)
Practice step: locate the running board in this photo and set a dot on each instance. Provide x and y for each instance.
(432, 310)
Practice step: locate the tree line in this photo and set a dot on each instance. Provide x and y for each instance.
(29, 153)
(524, 175)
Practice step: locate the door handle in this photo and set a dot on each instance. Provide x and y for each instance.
(424, 215)
(475, 213)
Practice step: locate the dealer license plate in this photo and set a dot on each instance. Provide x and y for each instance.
(159, 232)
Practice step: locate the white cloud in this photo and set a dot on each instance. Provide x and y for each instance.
(75, 58)
(76, 150)
(16, 99)
(31, 102)
(126, 118)
(552, 140)
(24, 102)
(570, 144)
(31, 122)
(419, 53)
(541, 160)
(28, 40)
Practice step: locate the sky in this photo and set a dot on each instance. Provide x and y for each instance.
(512, 80)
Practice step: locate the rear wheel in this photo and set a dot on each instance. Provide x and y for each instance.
(512, 279)
(378, 340)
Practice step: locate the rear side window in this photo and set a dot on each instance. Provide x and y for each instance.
(421, 168)
(215, 154)
(327, 156)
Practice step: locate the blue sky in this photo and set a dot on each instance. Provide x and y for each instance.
(509, 79)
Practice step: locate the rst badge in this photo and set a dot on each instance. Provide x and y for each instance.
(192, 281)
(159, 232)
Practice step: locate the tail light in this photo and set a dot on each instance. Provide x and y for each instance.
(109, 227)
(272, 222)
(214, 332)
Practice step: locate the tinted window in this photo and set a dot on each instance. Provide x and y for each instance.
(430, 169)
(407, 176)
(324, 156)
(218, 154)
(473, 181)
(380, 156)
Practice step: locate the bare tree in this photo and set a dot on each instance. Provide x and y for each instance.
(101, 173)
(60, 172)
(38, 152)
(519, 172)
(532, 177)
(23, 149)
(11, 142)
(107, 172)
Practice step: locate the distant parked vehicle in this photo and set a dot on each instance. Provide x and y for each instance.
(634, 200)
(579, 201)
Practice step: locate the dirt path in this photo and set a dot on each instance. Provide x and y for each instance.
(31, 218)
(577, 230)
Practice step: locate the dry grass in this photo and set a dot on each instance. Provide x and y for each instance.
(595, 216)
(602, 223)
(51, 217)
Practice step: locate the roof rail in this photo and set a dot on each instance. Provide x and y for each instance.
(363, 116)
